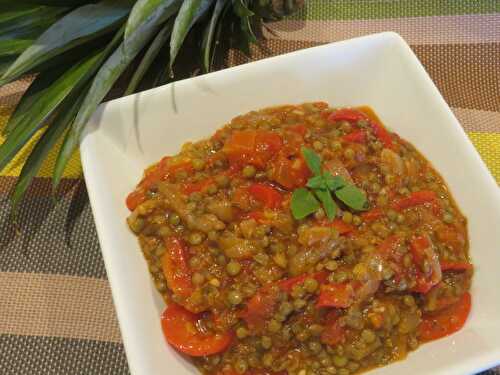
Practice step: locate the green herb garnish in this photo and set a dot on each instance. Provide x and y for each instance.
(322, 186)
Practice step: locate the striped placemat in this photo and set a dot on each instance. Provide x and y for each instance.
(56, 312)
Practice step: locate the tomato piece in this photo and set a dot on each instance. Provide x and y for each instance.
(372, 215)
(341, 226)
(447, 321)
(454, 237)
(299, 129)
(261, 307)
(415, 199)
(252, 147)
(423, 251)
(336, 295)
(346, 114)
(288, 284)
(357, 136)
(334, 333)
(135, 198)
(179, 328)
(267, 195)
(175, 267)
(455, 266)
(290, 173)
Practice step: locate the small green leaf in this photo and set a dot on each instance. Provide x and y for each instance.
(313, 160)
(241, 9)
(317, 182)
(334, 182)
(353, 197)
(303, 203)
(329, 205)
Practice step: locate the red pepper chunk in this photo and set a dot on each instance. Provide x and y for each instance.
(252, 147)
(180, 330)
(423, 251)
(135, 198)
(339, 295)
(415, 199)
(341, 226)
(267, 195)
(346, 114)
(175, 267)
(261, 307)
(358, 136)
(372, 215)
(446, 321)
(455, 266)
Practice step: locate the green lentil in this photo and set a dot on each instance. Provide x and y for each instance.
(349, 153)
(266, 342)
(241, 332)
(195, 238)
(249, 171)
(174, 219)
(233, 268)
(234, 297)
(310, 285)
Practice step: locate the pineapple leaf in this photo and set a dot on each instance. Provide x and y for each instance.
(55, 130)
(75, 28)
(241, 9)
(144, 10)
(210, 32)
(20, 22)
(105, 78)
(49, 90)
(149, 57)
(189, 13)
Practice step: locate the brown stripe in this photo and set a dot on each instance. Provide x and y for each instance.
(36, 355)
(57, 305)
(468, 76)
(474, 120)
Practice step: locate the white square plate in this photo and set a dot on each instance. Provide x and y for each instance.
(130, 133)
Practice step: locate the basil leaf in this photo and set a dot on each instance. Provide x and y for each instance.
(313, 160)
(334, 182)
(329, 205)
(317, 182)
(353, 197)
(303, 203)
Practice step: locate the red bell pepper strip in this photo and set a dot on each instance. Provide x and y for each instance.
(267, 195)
(372, 215)
(415, 199)
(446, 321)
(382, 134)
(358, 136)
(455, 266)
(341, 226)
(175, 267)
(346, 114)
(179, 328)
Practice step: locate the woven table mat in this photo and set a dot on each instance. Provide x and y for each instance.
(56, 312)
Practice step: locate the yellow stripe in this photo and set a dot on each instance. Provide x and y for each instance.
(73, 170)
(488, 145)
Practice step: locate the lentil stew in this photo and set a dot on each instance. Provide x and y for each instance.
(302, 240)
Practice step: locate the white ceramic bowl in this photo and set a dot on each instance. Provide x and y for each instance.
(130, 133)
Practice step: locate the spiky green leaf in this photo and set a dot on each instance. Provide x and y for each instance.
(47, 141)
(189, 13)
(102, 83)
(49, 90)
(75, 28)
(210, 32)
(149, 57)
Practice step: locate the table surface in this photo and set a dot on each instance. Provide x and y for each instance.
(56, 311)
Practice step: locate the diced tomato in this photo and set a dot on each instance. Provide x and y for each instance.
(135, 198)
(455, 266)
(447, 321)
(415, 199)
(267, 195)
(347, 114)
(175, 267)
(260, 307)
(334, 333)
(423, 251)
(372, 215)
(336, 295)
(358, 136)
(300, 129)
(288, 284)
(194, 187)
(252, 147)
(290, 173)
(180, 330)
(341, 226)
